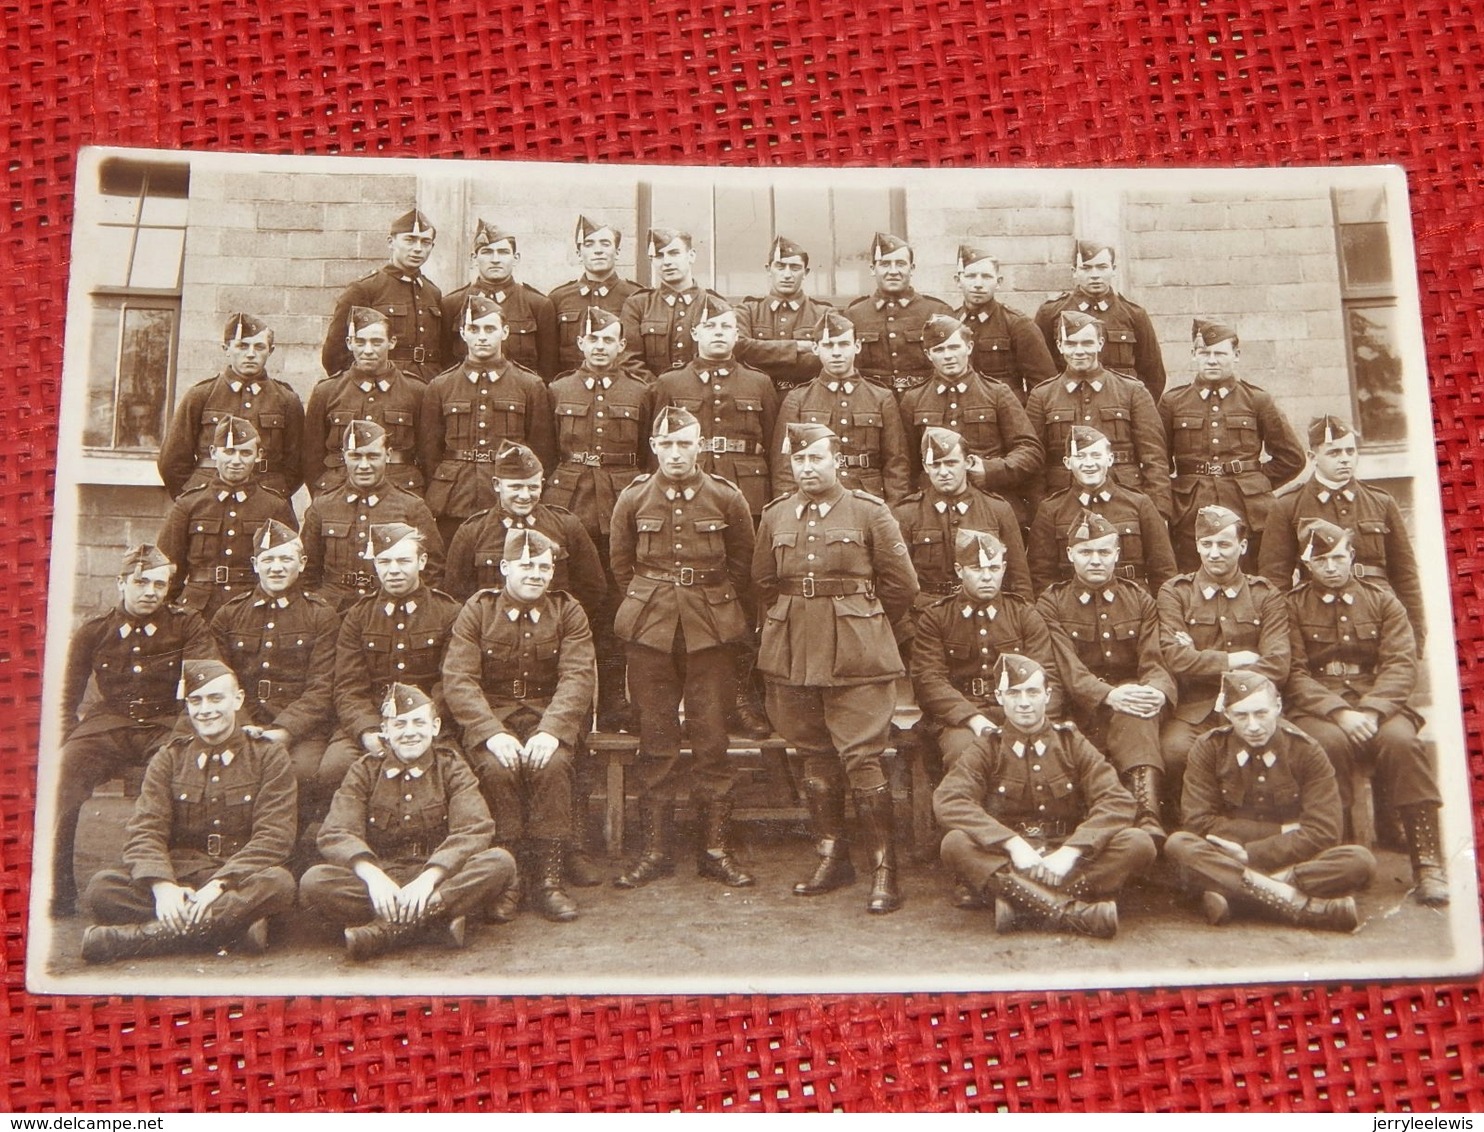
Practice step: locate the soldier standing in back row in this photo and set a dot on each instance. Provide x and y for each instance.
(1008, 347)
(599, 286)
(776, 332)
(888, 323)
(528, 315)
(658, 321)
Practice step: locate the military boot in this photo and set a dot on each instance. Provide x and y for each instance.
(877, 816)
(714, 859)
(104, 943)
(1144, 784)
(826, 802)
(547, 896)
(1429, 875)
(1021, 902)
(376, 938)
(1292, 906)
(507, 905)
(615, 713)
(582, 870)
(746, 717)
(657, 820)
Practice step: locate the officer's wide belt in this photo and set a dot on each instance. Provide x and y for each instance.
(520, 689)
(222, 575)
(143, 711)
(686, 576)
(861, 461)
(471, 455)
(939, 588)
(220, 845)
(337, 459)
(719, 444)
(981, 687)
(604, 459)
(358, 580)
(1344, 668)
(1045, 830)
(1215, 467)
(825, 587)
(267, 689)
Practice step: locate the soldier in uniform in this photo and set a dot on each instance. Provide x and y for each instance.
(519, 677)
(1261, 821)
(243, 390)
(337, 525)
(471, 410)
(1133, 347)
(1105, 636)
(598, 286)
(408, 839)
(931, 519)
(528, 316)
(776, 332)
(204, 850)
(132, 654)
(1037, 819)
(888, 323)
(870, 438)
(681, 549)
(280, 641)
(208, 531)
(1007, 346)
(1214, 621)
(1230, 443)
(1145, 555)
(1383, 553)
(835, 578)
(658, 321)
(1087, 394)
(408, 300)
(1351, 685)
(397, 635)
(1005, 453)
(371, 389)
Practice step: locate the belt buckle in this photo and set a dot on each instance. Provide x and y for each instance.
(978, 686)
(808, 587)
(840, 460)
(687, 575)
(265, 689)
(213, 844)
(518, 689)
(592, 459)
(419, 353)
(223, 575)
(1217, 470)
(864, 460)
(1032, 831)
(716, 444)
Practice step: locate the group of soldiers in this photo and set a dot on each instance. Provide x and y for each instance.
(1123, 609)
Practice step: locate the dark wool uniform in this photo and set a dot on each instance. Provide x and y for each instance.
(868, 423)
(1217, 436)
(467, 413)
(208, 533)
(1384, 555)
(993, 425)
(405, 818)
(571, 300)
(1144, 552)
(1245, 615)
(1103, 638)
(930, 522)
(393, 400)
(274, 410)
(889, 329)
(657, 324)
(1132, 346)
(529, 315)
(680, 555)
(1352, 648)
(602, 436)
(1051, 788)
(474, 557)
(1118, 407)
(958, 642)
(518, 669)
(337, 540)
(1280, 804)
(738, 411)
(769, 331)
(1008, 347)
(414, 310)
(204, 816)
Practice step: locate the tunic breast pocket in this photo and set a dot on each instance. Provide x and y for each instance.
(929, 551)
(845, 549)
(625, 427)
(981, 428)
(1059, 422)
(750, 412)
(1116, 423)
(653, 540)
(1243, 439)
(1370, 540)
(1189, 438)
(927, 418)
(185, 801)
(814, 416)
(655, 330)
(400, 427)
(339, 418)
(992, 355)
(457, 423)
(711, 539)
(245, 645)
(205, 532)
(377, 646)
(1130, 542)
(271, 426)
(1120, 350)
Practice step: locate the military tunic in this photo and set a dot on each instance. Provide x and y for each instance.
(414, 309)
(1144, 552)
(1132, 346)
(337, 540)
(474, 556)
(571, 300)
(602, 436)
(930, 522)
(1008, 347)
(657, 324)
(770, 333)
(738, 410)
(889, 328)
(394, 400)
(873, 441)
(530, 316)
(208, 534)
(275, 411)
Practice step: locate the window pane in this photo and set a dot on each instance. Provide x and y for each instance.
(157, 258)
(859, 215)
(119, 210)
(804, 217)
(111, 250)
(120, 176)
(165, 211)
(1365, 254)
(1360, 206)
(144, 377)
(97, 430)
(744, 229)
(1378, 373)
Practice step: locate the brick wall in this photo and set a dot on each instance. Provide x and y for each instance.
(112, 518)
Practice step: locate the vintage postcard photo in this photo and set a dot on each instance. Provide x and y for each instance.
(508, 578)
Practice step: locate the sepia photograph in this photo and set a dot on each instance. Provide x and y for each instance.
(515, 578)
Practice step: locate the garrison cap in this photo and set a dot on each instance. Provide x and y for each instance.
(976, 548)
(486, 234)
(232, 431)
(478, 306)
(1014, 670)
(362, 434)
(595, 319)
(672, 418)
(273, 533)
(145, 556)
(514, 461)
(522, 544)
(711, 306)
(403, 698)
(412, 223)
(799, 435)
(1089, 526)
(384, 536)
(1215, 519)
(884, 244)
(832, 324)
(937, 443)
(784, 248)
(1320, 536)
(586, 228)
(939, 329)
(1237, 686)
(1208, 332)
(240, 326)
(1326, 430)
(1082, 436)
(196, 674)
(1070, 322)
(1085, 250)
(363, 317)
(970, 254)
(662, 238)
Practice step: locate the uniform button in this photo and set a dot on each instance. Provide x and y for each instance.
(216, 821)
(406, 797)
(138, 669)
(216, 778)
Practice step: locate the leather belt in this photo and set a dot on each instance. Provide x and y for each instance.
(219, 845)
(267, 689)
(419, 354)
(1344, 668)
(416, 848)
(861, 461)
(826, 587)
(472, 456)
(520, 689)
(981, 687)
(359, 580)
(1216, 468)
(604, 459)
(1361, 570)
(939, 588)
(145, 711)
(686, 576)
(1043, 830)
(719, 444)
(222, 575)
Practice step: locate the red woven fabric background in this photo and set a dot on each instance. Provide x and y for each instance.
(770, 82)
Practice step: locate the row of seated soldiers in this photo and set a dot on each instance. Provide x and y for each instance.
(838, 601)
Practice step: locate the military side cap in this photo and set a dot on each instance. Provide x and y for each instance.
(784, 248)
(362, 434)
(479, 305)
(832, 324)
(412, 223)
(586, 228)
(145, 556)
(939, 329)
(1237, 686)
(523, 544)
(1326, 430)
(1081, 436)
(240, 326)
(799, 435)
(970, 254)
(595, 319)
(1320, 536)
(662, 238)
(196, 674)
(363, 317)
(384, 536)
(271, 534)
(976, 548)
(231, 431)
(486, 234)
(1085, 250)
(1214, 519)
(1070, 322)
(1088, 526)
(937, 443)
(514, 461)
(403, 698)
(884, 244)
(1208, 332)
(711, 306)
(672, 418)
(1013, 670)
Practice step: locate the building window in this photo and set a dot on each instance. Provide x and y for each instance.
(1368, 292)
(138, 250)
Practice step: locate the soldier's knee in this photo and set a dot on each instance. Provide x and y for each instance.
(1357, 863)
(317, 881)
(957, 846)
(1137, 847)
(1182, 845)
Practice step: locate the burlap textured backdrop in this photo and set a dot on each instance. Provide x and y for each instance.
(763, 82)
